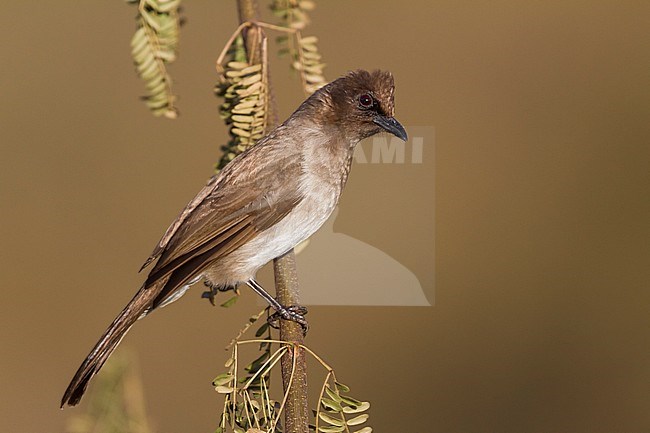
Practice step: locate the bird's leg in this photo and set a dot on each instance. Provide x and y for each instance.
(214, 289)
(294, 313)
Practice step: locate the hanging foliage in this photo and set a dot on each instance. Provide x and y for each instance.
(243, 87)
(305, 57)
(153, 46)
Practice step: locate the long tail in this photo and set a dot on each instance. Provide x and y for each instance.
(138, 306)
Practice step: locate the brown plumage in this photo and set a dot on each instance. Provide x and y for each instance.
(264, 202)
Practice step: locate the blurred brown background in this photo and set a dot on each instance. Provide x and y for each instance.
(542, 213)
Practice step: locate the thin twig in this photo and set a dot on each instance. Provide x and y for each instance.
(288, 391)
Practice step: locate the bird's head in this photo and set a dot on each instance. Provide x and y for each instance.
(361, 104)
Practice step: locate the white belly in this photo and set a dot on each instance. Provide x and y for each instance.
(307, 217)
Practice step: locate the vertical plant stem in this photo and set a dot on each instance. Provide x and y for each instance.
(286, 276)
(249, 11)
(287, 293)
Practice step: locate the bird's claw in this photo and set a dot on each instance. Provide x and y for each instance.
(209, 294)
(294, 313)
(213, 290)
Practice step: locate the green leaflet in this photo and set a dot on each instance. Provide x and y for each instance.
(153, 46)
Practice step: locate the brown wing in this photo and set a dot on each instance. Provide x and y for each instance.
(203, 193)
(254, 192)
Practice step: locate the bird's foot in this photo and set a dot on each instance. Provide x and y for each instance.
(214, 289)
(295, 313)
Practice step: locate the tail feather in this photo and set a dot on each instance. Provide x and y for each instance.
(139, 305)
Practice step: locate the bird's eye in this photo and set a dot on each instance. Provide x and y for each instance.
(365, 100)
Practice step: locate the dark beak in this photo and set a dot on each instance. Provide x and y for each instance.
(391, 125)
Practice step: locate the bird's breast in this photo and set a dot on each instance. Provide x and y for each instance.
(301, 222)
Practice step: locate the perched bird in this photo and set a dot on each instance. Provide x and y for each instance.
(262, 204)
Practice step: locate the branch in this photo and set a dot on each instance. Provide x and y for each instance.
(287, 293)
